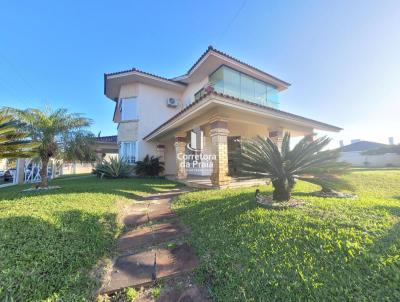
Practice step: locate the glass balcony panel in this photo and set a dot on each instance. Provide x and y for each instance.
(260, 93)
(231, 79)
(231, 82)
(272, 97)
(246, 88)
(217, 80)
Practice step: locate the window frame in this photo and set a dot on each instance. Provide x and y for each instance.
(131, 158)
(123, 108)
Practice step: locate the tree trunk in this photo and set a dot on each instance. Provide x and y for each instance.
(43, 173)
(282, 190)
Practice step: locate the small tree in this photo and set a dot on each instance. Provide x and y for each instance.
(14, 143)
(261, 157)
(78, 146)
(50, 129)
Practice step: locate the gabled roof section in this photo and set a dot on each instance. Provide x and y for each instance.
(208, 62)
(114, 80)
(226, 59)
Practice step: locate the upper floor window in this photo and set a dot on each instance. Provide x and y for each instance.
(234, 83)
(128, 109)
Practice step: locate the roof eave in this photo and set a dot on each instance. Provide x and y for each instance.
(314, 123)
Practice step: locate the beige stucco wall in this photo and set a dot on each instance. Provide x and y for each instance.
(129, 90)
(191, 89)
(152, 111)
(170, 157)
(127, 131)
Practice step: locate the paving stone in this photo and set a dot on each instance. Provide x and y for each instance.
(131, 270)
(177, 260)
(136, 239)
(159, 211)
(135, 219)
(152, 235)
(164, 232)
(161, 201)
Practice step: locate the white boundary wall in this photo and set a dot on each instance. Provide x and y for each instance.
(358, 159)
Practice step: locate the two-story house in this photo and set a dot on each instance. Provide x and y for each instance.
(194, 122)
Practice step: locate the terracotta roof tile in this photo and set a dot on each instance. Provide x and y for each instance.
(143, 72)
(107, 139)
(211, 48)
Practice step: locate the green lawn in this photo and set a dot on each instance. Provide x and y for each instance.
(51, 241)
(330, 249)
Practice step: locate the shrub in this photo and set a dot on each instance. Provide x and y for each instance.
(131, 294)
(113, 168)
(149, 166)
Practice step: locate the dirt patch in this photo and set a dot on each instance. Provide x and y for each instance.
(333, 194)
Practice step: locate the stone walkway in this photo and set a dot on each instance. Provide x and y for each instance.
(151, 249)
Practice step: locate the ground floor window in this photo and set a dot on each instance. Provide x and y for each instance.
(128, 151)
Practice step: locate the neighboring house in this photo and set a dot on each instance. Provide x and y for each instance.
(106, 147)
(201, 116)
(354, 155)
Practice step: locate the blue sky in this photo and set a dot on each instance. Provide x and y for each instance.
(341, 57)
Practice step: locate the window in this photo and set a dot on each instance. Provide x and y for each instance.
(129, 109)
(234, 83)
(128, 151)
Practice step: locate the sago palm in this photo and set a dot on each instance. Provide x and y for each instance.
(49, 128)
(14, 143)
(306, 161)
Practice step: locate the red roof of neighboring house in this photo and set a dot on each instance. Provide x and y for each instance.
(107, 139)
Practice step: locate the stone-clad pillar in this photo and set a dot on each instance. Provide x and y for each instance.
(219, 145)
(276, 135)
(180, 151)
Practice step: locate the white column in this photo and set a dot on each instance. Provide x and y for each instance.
(20, 171)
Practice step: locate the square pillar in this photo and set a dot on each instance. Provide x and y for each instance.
(219, 145)
(180, 151)
(276, 135)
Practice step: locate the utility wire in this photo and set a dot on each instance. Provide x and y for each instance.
(19, 74)
(228, 26)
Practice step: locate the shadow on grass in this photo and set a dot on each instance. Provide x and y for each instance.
(230, 245)
(43, 260)
(132, 188)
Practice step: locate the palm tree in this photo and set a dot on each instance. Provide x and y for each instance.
(306, 161)
(14, 143)
(49, 128)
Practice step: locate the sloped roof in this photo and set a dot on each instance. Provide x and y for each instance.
(361, 146)
(107, 139)
(241, 101)
(180, 80)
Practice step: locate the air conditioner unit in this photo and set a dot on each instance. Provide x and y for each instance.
(171, 102)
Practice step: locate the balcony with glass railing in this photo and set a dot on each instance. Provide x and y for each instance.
(234, 83)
